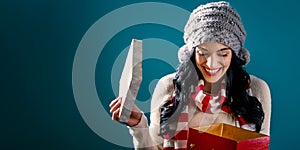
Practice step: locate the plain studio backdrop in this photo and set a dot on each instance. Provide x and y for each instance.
(40, 39)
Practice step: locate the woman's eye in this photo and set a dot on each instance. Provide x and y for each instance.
(202, 54)
(223, 54)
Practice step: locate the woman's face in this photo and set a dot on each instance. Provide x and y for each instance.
(213, 60)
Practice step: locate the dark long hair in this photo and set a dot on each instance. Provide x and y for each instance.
(238, 99)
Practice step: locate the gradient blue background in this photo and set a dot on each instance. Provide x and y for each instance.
(39, 39)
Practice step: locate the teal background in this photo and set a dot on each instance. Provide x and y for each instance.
(39, 39)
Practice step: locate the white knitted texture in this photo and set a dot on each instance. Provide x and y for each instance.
(215, 22)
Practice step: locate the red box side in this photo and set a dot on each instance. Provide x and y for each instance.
(261, 143)
(204, 141)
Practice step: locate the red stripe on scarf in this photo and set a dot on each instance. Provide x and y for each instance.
(242, 121)
(222, 100)
(183, 117)
(205, 103)
(197, 91)
(167, 136)
(226, 109)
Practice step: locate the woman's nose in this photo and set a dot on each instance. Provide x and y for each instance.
(212, 61)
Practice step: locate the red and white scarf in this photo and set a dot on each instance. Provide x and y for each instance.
(208, 104)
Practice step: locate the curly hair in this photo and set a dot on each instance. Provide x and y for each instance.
(238, 99)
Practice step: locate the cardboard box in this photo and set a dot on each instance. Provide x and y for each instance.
(226, 137)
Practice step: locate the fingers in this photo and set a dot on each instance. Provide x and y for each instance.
(112, 103)
(115, 114)
(115, 108)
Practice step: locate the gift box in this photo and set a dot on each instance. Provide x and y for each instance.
(226, 137)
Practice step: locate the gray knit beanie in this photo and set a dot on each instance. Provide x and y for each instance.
(214, 22)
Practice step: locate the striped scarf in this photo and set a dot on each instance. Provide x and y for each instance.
(208, 104)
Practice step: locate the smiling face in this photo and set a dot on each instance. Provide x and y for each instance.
(213, 60)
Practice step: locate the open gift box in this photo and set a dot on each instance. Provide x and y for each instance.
(226, 137)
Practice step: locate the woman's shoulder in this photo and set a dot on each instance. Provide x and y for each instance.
(260, 89)
(166, 82)
(165, 85)
(258, 84)
(168, 78)
(163, 91)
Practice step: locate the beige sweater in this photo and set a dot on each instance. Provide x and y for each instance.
(146, 137)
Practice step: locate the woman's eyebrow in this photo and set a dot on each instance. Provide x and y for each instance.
(223, 49)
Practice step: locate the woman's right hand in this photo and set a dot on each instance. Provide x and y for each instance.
(135, 116)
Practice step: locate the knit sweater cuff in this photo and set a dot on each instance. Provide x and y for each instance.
(140, 133)
(142, 124)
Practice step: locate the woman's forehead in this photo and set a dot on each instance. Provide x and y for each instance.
(212, 46)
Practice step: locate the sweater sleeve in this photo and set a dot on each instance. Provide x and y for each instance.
(144, 136)
(261, 91)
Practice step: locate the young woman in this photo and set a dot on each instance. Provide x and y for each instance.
(210, 85)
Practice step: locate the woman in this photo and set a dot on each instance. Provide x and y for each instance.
(210, 85)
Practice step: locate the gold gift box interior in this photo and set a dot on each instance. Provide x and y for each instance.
(229, 132)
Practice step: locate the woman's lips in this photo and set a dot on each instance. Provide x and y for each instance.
(212, 71)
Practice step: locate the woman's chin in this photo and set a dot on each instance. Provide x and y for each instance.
(212, 79)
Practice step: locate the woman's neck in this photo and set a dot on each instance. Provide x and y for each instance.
(211, 88)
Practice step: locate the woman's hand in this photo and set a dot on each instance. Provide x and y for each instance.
(135, 116)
